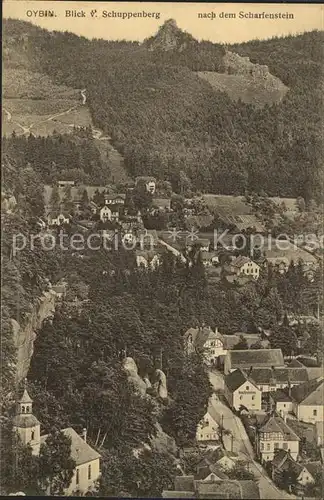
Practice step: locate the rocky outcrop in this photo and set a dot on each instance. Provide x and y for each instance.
(169, 37)
(24, 335)
(238, 65)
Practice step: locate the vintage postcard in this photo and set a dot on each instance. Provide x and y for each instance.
(162, 250)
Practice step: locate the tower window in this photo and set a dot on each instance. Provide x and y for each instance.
(22, 409)
(32, 435)
(27, 409)
(89, 471)
(77, 477)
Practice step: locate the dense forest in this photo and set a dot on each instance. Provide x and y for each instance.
(59, 157)
(164, 119)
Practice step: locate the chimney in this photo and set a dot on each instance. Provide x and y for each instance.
(285, 418)
(84, 434)
(216, 329)
(250, 371)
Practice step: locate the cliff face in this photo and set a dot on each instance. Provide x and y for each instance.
(238, 65)
(24, 336)
(169, 37)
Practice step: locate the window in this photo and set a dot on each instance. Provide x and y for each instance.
(314, 413)
(253, 398)
(22, 409)
(89, 471)
(261, 446)
(77, 478)
(241, 397)
(276, 445)
(32, 435)
(27, 409)
(285, 446)
(268, 446)
(247, 388)
(284, 405)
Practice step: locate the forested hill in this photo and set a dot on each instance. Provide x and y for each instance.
(165, 119)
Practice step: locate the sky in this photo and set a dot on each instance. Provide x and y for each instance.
(219, 29)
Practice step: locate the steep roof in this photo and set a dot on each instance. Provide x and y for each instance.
(313, 468)
(213, 413)
(25, 420)
(235, 379)
(278, 375)
(280, 395)
(227, 489)
(265, 357)
(25, 398)
(201, 335)
(81, 452)
(276, 424)
(204, 472)
(295, 364)
(240, 261)
(310, 393)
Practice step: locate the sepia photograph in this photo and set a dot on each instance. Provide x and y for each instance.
(162, 221)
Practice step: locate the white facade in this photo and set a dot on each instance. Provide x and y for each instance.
(250, 269)
(268, 442)
(309, 413)
(84, 477)
(59, 220)
(247, 395)
(207, 429)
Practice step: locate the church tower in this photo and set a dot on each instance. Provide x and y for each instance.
(26, 424)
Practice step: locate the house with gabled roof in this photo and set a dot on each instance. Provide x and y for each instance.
(207, 429)
(306, 472)
(246, 358)
(275, 434)
(243, 265)
(240, 391)
(281, 402)
(308, 401)
(274, 378)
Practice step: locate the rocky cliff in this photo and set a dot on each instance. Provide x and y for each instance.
(24, 335)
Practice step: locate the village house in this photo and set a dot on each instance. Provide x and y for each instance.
(247, 358)
(147, 259)
(115, 199)
(280, 402)
(58, 219)
(209, 258)
(308, 401)
(207, 429)
(87, 468)
(205, 340)
(305, 472)
(110, 213)
(245, 266)
(276, 434)
(148, 181)
(242, 392)
(212, 472)
(225, 459)
(274, 378)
